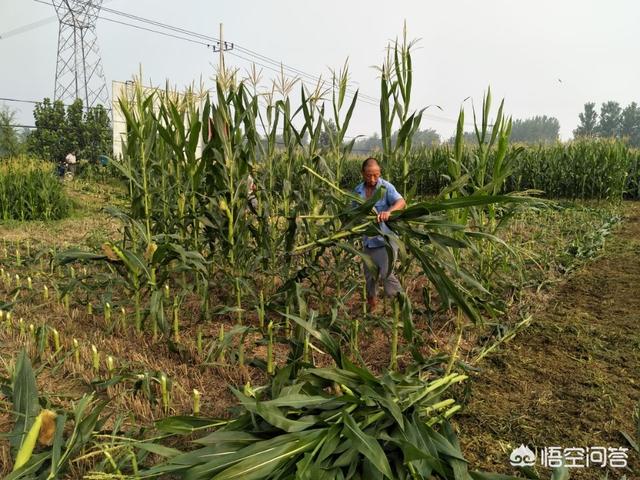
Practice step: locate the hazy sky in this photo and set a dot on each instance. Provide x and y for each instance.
(543, 57)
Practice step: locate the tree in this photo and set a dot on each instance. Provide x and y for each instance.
(10, 144)
(424, 138)
(535, 130)
(588, 121)
(368, 144)
(609, 124)
(630, 124)
(74, 131)
(328, 130)
(59, 131)
(47, 141)
(468, 138)
(98, 136)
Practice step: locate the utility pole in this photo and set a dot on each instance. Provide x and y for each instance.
(221, 61)
(221, 46)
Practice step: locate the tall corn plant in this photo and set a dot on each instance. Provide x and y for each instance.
(230, 155)
(396, 80)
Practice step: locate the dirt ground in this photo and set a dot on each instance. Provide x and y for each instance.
(571, 379)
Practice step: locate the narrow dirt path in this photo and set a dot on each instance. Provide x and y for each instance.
(572, 379)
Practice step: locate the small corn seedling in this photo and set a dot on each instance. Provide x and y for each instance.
(270, 359)
(176, 319)
(76, 351)
(56, 341)
(196, 402)
(107, 314)
(95, 359)
(165, 393)
(199, 341)
(123, 319)
(110, 365)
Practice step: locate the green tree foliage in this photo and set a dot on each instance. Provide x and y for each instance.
(421, 138)
(468, 138)
(538, 129)
(588, 121)
(425, 138)
(328, 132)
(610, 116)
(10, 144)
(613, 122)
(368, 144)
(48, 139)
(97, 133)
(630, 124)
(60, 131)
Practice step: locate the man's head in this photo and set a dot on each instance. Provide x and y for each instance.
(370, 172)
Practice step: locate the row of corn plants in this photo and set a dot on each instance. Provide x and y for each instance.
(30, 190)
(584, 168)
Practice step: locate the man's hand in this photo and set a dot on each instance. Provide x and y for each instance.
(383, 216)
(399, 205)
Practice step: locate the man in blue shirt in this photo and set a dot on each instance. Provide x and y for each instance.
(374, 247)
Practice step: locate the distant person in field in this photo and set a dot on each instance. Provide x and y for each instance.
(374, 247)
(70, 160)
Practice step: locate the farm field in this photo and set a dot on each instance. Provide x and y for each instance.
(565, 378)
(197, 307)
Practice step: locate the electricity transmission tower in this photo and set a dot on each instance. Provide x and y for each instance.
(79, 66)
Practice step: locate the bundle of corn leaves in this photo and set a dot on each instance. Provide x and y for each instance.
(340, 422)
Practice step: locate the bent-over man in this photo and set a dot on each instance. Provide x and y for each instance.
(374, 247)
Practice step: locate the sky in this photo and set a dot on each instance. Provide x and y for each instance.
(543, 57)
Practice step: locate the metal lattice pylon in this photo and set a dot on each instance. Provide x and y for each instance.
(79, 71)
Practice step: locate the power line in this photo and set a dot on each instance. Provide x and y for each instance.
(26, 28)
(153, 31)
(18, 100)
(217, 40)
(209, 41)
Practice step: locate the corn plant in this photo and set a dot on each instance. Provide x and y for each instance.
(60, 442)
(396, 79)
(30, 190)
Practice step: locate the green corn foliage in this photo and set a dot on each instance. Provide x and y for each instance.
(30, 190)
(588, 168)
(69, 439)
(332, 422)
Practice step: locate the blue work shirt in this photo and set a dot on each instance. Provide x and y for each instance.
(390, 197)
